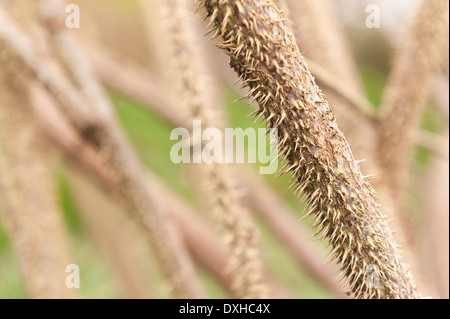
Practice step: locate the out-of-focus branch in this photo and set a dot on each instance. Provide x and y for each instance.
(436, 143)
(76, 149)
(105, 134)
(29, 207)
(149, 101)
(30, 211)
(440, 93)
(280, 219)
(135, 82)
(199, 236)
(118, 240)
(440, 86)
(217, 190)
(145, 89)
(204, 244)
(115, 240)
(46, 71)
(420, 56)
(437, 222)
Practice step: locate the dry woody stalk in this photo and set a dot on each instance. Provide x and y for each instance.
(170, 253)
(28, 198)
(120, 242)
(263, 52)
(318, 30)
(29, 207)
(197, 233)
(193, 86)
(92, 115)
(423, 52)
(323, 41)
(260, 196)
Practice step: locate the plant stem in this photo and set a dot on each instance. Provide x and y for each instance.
(264, 54)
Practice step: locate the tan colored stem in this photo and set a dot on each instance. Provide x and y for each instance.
(422, 52)
(46, 71)
(204, 244)
(112, 234)
(134, 82)
(267, 204)
(264, 53)
(28, 197)
(419, 56)
(437, 223)
(346, 95)
(281, 221)
(192, 83)
(323, 42)
(116, 238)
(92, 114)
(157, 41)
(144, 88)
(197, 234)
(339, 77)
(440, 93)
(29, 205)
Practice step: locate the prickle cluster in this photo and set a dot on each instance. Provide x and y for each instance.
(263, 52)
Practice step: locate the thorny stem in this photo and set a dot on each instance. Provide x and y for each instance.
(264, 54)
(145, 89)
